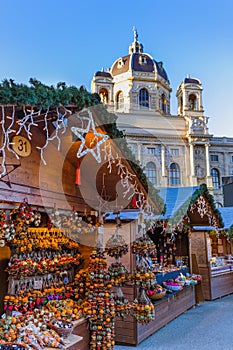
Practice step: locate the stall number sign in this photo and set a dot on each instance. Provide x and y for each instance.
(21, 146)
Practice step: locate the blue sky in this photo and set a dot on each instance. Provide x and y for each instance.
(69, 40)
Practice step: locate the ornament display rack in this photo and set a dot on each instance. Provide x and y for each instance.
(55, 263)
(59, 247)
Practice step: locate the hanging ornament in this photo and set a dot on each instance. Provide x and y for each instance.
(78, 173)
(99, 306)
(90, 138)
(142, 275)
(143, 309)
(24, 216)
(143, 246)
(7, 228)
(118, 273)
(122, 305)
(116, 246)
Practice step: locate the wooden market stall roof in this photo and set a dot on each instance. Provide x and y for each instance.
(194, 205)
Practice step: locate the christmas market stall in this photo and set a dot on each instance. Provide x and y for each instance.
(161, 259)
(212, 253)
(61, 171)
(38, 261)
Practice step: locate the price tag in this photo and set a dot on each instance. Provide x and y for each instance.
(21, 146)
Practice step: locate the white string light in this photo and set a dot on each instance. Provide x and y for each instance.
(60, 123)
(128, 180)
(28, 121)
(6, 131)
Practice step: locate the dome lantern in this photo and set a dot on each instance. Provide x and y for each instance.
(136, 46)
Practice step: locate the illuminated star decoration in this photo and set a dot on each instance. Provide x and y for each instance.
(81, 134)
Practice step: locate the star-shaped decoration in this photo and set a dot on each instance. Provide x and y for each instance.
(81, 133)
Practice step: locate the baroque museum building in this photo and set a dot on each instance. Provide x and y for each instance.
(175, 150)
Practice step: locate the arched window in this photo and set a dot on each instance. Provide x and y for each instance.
(174, 174)
(103, 95)
(144, 98)
(163, 103)
(215, 177)
(181, 105)
(120, 100)
(151, 172)
(192, 102)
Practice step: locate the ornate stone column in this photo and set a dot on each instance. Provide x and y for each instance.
(191, 156)
(209, 181)
(207, 160)
(163, 160)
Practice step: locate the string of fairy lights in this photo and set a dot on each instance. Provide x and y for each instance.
(6, 142)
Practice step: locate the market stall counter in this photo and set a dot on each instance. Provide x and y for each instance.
(129, 331)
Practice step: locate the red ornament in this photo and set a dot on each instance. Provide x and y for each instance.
(78, 173)
(134, 202)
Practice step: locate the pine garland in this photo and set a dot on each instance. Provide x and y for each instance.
(41, 95)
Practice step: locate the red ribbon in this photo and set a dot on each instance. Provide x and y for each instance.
(78, 173)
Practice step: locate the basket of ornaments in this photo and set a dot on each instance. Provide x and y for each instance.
(156, 292)
(181, 279)
(62, 327)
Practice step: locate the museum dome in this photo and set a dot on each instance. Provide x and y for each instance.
(138, 61)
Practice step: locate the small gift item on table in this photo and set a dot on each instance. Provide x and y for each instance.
(172, 285)
(62, 327)
(181, 279)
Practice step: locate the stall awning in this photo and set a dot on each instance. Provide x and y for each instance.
(227, 216)
(175, 198)
(123, 215)
(204, 228)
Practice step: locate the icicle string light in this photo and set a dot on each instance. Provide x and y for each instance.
(128, 180)
(28, 121)
(6, 131)
(60, 123)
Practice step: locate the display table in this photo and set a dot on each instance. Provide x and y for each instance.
(221, 283)
(161, 277)
(129, 331)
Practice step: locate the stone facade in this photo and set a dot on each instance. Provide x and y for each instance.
(175, 150)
